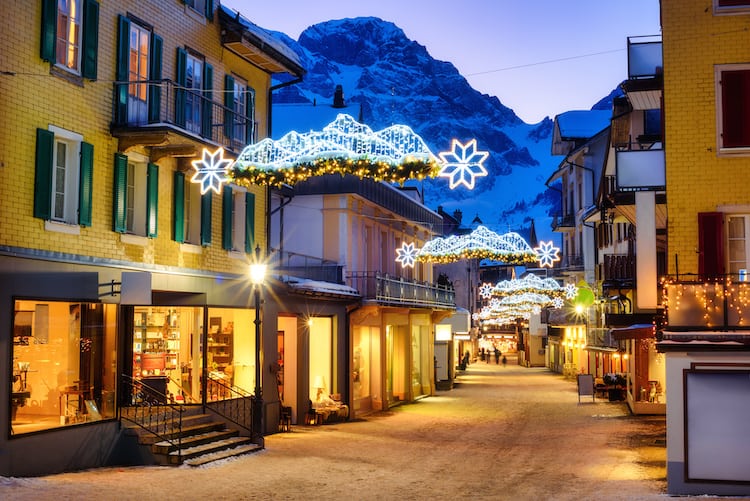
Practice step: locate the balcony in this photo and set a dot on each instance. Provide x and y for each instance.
(638, 170)
(645, 69)
(563, 223)
(719, 307)
(617, 270)
(308, 267)
(395, 291)
(175, 121)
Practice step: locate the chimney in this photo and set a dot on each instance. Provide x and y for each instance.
(457, 215)
(338, 97)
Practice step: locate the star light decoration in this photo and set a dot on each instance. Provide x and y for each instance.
(406, 255)
(211, 170)
(548, 254)
(463, 163)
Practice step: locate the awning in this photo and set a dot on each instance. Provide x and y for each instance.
(637, 331)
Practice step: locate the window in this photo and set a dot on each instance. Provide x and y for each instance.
(193, 96)
(238, 215)
(70, 35)
(136, 188)
(204, 7)
(738, 243)
(63, 362)
(733, 108)
(63, 178)
(239, 122)
(139, 55)
(191, 215)
(731, 6)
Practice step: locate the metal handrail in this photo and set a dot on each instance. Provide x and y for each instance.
(235, 406)
(151, 410)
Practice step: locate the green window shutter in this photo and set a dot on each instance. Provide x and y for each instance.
(226, 218)
(49, 30)
(90, 39)
(249, 222)
(229, 103)
(178, 209)
(206, 218)
(152, 200)
(122, 68)
(154, 74)
(86, 184)
(179, 93)
(45, 143)
(208, 85)
(210, 10)
(119, 221)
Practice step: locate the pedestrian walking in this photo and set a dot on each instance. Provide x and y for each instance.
(481, 354)
(505, 361)
(497, 356)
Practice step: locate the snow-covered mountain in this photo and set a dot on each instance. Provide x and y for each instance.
(389, 79)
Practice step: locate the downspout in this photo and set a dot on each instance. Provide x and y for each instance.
(269, 114)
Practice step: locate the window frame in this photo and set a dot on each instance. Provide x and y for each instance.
(72, 173)
(720, 70)
(730, 7)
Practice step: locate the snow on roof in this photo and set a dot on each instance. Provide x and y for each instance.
(264, 36)
(582, 123)
(316, 286)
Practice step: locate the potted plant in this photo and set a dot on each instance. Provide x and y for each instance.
(615, 386)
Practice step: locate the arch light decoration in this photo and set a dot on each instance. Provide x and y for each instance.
(533, 284)
(344, 146)
(481, 243)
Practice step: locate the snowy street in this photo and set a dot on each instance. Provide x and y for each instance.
(501, 433)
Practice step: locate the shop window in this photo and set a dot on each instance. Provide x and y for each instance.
(63, 370)
(63, 178)
(733, 107)
(70, 35)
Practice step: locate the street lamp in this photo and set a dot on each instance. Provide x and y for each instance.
(257, 276)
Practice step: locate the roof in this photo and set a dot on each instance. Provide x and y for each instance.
(582, 124)
(254, 44)
(319, 288)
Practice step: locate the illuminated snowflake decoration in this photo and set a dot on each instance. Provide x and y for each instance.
(406, 255)
(571, 291)
(485, 290)
(548, 254)
(211, 170)
(463, 163)
(558, 302)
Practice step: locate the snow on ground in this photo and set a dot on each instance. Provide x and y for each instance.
(502, 433)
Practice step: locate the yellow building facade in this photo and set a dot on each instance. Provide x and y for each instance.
(118, 271)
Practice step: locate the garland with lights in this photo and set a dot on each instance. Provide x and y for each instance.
(362, 167)
(481, 243)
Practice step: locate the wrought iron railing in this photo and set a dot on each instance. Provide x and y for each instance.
(401, 291)
(309, 267)
(563, 221)
(150, 409)
(153, 103)
(230, 402)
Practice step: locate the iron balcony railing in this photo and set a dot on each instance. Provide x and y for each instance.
(147, 104)
(401, 291)
(618, 267)
(563, 222)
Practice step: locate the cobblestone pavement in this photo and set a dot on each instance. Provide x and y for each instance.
(501, 433)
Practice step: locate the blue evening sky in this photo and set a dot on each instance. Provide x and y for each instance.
(539, 57)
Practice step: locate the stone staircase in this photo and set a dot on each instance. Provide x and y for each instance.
(204, 438)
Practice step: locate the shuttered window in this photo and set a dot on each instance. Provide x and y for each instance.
(733, 107)
(70, 35)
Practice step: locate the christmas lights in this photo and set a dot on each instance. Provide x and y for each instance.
(481, 243)
(406, 255)
(211, 170)
(463, 163)
(344, 146)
